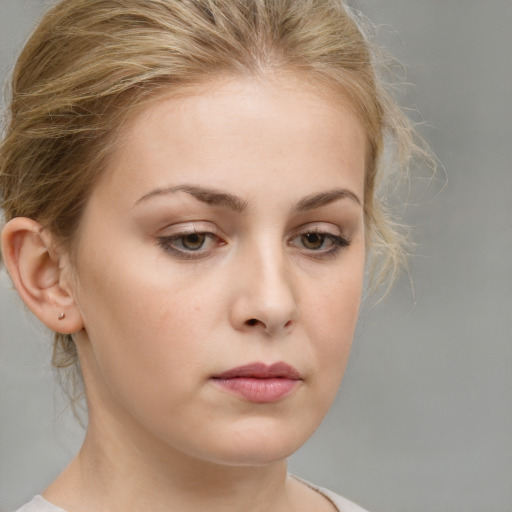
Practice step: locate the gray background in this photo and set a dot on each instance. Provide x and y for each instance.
(423, 422)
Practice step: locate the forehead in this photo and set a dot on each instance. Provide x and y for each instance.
(273, 131)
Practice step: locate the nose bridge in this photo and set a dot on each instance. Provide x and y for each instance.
(267, 296)
(273, 274)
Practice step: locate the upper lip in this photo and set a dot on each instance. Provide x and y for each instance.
(261, 371)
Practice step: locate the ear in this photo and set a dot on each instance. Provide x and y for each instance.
(41, 275)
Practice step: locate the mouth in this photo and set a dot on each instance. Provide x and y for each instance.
(260, 383)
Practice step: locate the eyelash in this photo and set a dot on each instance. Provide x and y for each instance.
(168, 244)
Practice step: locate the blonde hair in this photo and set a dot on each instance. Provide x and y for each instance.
(91, 63)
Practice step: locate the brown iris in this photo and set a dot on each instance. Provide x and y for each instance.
(193, 241)
(313, 240)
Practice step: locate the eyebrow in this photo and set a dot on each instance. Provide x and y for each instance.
(323, 198)
(205, 195)
(215, 197)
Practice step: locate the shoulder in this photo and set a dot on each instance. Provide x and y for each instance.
(39, 504)
(341, 503)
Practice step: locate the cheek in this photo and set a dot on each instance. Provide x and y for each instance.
(335, 327)
(147, 321)
(332, 317)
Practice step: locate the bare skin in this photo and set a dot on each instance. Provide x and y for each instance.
(228, 229)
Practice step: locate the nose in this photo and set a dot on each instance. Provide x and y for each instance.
(265, 300)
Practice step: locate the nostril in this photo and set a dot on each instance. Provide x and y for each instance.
(252, 322)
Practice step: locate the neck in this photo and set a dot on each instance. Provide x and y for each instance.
(122, 466)
(112, 473)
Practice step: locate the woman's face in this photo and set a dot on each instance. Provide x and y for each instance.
(219, 272)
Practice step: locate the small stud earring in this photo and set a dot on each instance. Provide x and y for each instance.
(62, 316)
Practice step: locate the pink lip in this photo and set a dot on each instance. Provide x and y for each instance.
(260, 383)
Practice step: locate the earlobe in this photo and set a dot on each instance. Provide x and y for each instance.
(40, 275)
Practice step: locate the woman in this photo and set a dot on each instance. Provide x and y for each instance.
(189, 189)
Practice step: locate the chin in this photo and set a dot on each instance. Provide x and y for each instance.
(258, 444)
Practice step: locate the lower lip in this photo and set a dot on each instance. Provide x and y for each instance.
(259, 390)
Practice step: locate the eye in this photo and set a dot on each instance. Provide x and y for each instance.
(319, 243)
(190, 244)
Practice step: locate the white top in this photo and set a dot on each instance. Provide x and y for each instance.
(341, 503)
(39, 504)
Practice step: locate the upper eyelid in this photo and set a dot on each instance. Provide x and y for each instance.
(193, 227)
(320, 227)
(205, 227)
